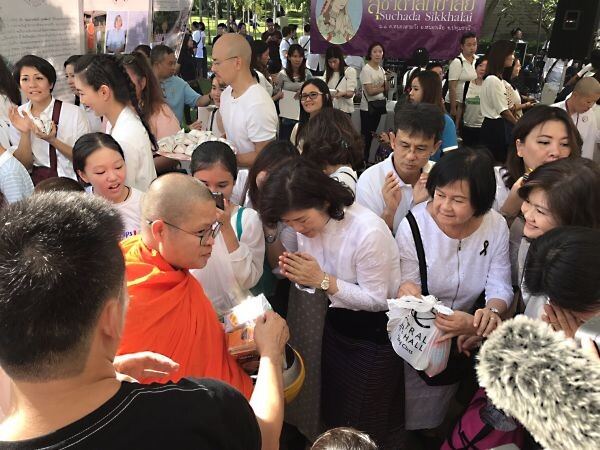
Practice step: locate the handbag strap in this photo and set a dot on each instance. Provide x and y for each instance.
(414, 228)
(51, 150)
(238, 223)
(340, 80)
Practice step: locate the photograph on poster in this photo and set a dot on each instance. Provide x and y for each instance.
(339, 20)
(137, 30)
(94, 30)
(116, 32)
(164, 26)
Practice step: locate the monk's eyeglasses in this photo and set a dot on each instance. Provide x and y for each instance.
(204, 235)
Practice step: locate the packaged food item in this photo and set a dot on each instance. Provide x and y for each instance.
(239, 330)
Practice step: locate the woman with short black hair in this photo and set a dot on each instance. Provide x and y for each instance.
(345, 269)
(44, 129)
(466, 250)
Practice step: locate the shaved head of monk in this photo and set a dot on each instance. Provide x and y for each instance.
(231, 57)
(179, 220)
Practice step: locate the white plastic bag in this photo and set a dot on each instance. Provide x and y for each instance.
(413, 333)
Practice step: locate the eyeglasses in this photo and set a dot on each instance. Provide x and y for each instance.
(218, 63)
(204, 235)
(311, 95)
(417, 151)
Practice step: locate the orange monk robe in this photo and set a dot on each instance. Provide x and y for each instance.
(169, 313)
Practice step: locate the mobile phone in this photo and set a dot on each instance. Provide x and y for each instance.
(590, 329)
(219, 199)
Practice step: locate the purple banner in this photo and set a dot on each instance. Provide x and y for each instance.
(400, 25)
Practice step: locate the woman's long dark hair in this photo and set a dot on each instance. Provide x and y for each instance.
(258, 48)
(152, 97)
(334, 51)
(515, 166)
(295, 48)
(431, 85)
(327, 103)
(8, 85)
(98, 70)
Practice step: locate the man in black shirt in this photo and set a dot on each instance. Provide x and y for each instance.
(62, 309)
(273, 37)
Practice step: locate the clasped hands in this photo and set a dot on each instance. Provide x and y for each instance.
(301, 268)
(24, 124)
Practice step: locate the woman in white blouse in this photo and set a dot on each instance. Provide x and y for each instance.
(104, 85)
(48, 152)
(341, 80)
(466, 252)
(242, 255)
(374, 87)
(345, 269)
(498, 118)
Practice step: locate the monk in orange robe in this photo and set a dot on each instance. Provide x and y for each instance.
(169, 313)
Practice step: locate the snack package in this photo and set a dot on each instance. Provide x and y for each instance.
(239, 330)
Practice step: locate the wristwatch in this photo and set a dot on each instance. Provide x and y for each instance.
(325, 282)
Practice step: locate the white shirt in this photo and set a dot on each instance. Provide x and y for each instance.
(284, 46)
(513, 98)
(199, 37)
(133, 138)
(588, 128)
(493, 97)
(360, 252)
(15, 182)
(347, 83)
(347, 176)
(460, 70)
(72, 124)
(249, 118)
(472, 111)
(368, 190)
(459, 270)
(374, 77)
(262, 80)
(501, 190)
(131, 213)
(243, 266)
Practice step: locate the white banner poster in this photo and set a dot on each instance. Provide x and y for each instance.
(169, 22)
(116, 26)
(50, 29)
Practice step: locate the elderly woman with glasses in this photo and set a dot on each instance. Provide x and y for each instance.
(314, 96)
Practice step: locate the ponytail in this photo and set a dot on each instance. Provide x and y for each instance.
(98, 70)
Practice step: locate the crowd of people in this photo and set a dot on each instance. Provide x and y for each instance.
(108, 248)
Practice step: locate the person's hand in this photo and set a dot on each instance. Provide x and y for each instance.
(467, 343)
(392, 194)
(486, 321)
(296, 95)
(143, 365)
(197, 125)
(420, 193)
(301, 268)
(224, 215)
(22, 123)
(271, 333)
(278, 96)
(561, 320)
(409, 288)
(383, 138)
(50, 137)
(453, 111)
(589, 348)
(455, 324)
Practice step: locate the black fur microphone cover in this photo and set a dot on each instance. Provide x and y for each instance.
(542, 379)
